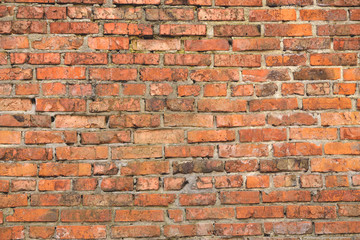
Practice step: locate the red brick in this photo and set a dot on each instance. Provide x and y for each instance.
(117, 184)
(221, 105)
(338, 29)
(234, 181)
(313, 133)
(147, 183)
(302, 44)
(135, 231)
(116, 13)
(41, 232)
(260, 212)
(286, 119)
(238, 229)
(128, 29)
(272, 15)
(54, 185)
(285, 60)
(107, 200)
(169, 14)
(74, 28)
(55, 200)
(265, 75)
(23, 185)
(237, 30)
(80, 153)
(158, 199)
(350, 133)
(105, 137)
(257, 181)
(58, 89)
(344, 88)
(13, 232)
(288, 30)
(174, 183)
(243, 150)
(115, 104)
(64, 169)
(242, 90)
(33, 215)
(134, 89)
(14, 42)
(209, 75)
(60, 73)
(26, 154)
(207, 45)
(287, 196)
(163, 74)
(337, 227)
(262, 135)
(139, 215)
(27, 89)
(187, 59)
(13, 200)
(60, 105)
(323, 15)
(241, 166)
(335, 165)
(214, 14)
(84, 232)
(18, 169)
(241, 197)
(211, 136)
(108, 43)
(273, 104)
(337, 196)
(57, 43)
(240, 120)
(292, 89)
(296, 149)
(209, 213)
(85, 215)
(351, 74)
(197, 199)
(311, 181)
(4, 186)
(188, 90)
(284, 181)
(156, 45)
(202, 229)
(288, 228)
(182, 30)
(349, 210)
(136, 152)
(140, 2)
(337, 148)
(227, 60)
(85, 58)
(336, 181)
(333, 59)
(276, 3)
(136, 58)
(145, 168)
(67, 121)
(244, 3)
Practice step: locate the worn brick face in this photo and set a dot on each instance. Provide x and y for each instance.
(189, 119)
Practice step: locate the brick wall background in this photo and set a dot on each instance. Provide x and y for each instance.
(161, 119)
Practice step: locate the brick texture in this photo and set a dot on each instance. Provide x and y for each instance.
(180, 119)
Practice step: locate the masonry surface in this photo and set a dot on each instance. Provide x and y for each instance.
(192, 119)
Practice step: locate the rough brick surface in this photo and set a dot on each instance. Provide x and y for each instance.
(180, 119)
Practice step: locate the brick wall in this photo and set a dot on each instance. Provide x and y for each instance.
(179, 118)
